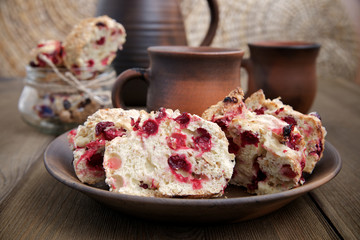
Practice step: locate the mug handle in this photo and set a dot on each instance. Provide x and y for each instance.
(124, 77)
(247, 64)
(214, 22)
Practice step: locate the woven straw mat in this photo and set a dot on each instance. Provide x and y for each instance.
(24, 23)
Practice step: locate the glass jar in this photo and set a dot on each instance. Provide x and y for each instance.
(54, 102)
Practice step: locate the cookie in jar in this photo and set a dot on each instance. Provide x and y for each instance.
(67, 81)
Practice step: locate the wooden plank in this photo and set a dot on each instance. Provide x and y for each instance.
(20, 144)
(42, 208)
(339, 105)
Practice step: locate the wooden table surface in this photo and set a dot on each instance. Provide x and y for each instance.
(33, 205)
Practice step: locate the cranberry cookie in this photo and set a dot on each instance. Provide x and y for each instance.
(169, 154)
(51, 49)
(92, 45)
(88, 141)
(271, 152)
(309, 125)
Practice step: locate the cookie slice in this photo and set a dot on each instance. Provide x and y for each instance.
(309, 125)
(92, 45)
(88, 140)
(270, 153)
(50, 49)
(169, 154)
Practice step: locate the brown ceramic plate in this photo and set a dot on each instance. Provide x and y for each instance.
(235, 205)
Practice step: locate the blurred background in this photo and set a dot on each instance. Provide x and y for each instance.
(335, 24)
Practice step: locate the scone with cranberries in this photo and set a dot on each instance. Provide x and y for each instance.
(169, 154)
(88, 140)
(92, 45)
(270, 152)
(50, 49)
(309, 125)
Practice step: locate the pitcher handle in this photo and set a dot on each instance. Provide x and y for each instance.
(214, 22)
(127, 75)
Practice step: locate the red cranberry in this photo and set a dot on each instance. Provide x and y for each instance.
(183, 120)
(41, 63)
(179, 162)
(112, 133)
(108, 130)
(177, 141)
(303, 163)
(233, 147)
(248, 137)
(260, 111)
(318, 149)
(150, 127)
(289, 120)
(101, 126)
(90, 63)
(143, 185)
(95, 161)
(196, 184)
(135, 125)
(95, 145)
(260, 176)
(92, 156)
(287, 171)
(101, 41)
(279, 110)
(223, 123)
(73, 133)
(293, 141)
(161, 114)
(203, 141)
(104, 61)
(75, 69)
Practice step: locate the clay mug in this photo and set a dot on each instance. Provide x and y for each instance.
(284, 69)
(186, 78)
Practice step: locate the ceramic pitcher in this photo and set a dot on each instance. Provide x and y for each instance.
(149, 23)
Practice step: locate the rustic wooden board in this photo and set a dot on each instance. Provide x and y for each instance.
(20, 145)
(339, 105)
(42, 208)
(33, 205)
